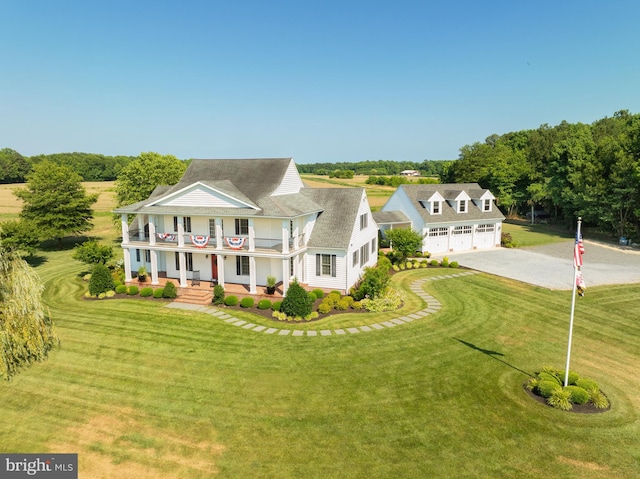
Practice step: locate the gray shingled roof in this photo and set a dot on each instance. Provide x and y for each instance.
(416, 193)
(334, 225)
(390, 217)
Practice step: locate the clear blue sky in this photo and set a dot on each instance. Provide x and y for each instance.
(316, 80)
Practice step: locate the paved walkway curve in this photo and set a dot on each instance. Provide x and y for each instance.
(433, 305)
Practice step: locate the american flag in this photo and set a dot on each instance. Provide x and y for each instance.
(578, 251)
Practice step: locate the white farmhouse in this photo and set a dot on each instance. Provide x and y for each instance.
(239, 221)
(451, 217)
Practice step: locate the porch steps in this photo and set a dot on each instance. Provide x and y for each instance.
(194, 296)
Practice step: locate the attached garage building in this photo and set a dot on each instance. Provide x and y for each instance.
(451, 217)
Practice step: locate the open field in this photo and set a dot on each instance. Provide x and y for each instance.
(142, 391)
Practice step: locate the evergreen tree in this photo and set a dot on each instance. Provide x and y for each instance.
(56, 202)
(296, 302)
(101, 280)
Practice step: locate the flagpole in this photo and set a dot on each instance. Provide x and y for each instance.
(573, 305)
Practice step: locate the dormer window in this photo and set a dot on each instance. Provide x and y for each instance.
(486, 205)
(462, 206)
(435, 208)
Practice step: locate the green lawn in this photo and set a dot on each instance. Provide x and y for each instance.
(139, 390)
(525, 234)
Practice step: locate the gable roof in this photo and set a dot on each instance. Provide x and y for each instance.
(334, 225)
(262, 184)
(450, 191)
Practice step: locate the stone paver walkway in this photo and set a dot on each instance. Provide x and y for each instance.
(417, 287)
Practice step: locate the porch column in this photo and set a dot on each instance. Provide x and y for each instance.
(219, 244)
(152, 230)
(180, 234)
(127, 264)
(285, 275)
(296, 234)
(125, 228)
(252, 235)
(141, 227)
(285, 236)
(182, 261)
(154, 267)
(220, 270)
(252, 275)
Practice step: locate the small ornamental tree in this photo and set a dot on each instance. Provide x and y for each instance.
(101, 280)
(92, 252)
(374, 281)
(296, 302)
(404, 241)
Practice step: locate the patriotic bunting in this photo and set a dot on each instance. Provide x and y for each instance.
(235, 243)
(167, 236)
(199, 241)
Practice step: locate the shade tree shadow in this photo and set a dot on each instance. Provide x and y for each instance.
(492, 354)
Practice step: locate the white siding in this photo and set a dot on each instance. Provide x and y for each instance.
(339, 282)
(291, 182)
(400, 202)
(360, 238)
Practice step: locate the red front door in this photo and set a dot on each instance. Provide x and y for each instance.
(214, 266)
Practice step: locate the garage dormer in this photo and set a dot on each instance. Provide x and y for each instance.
(458, 200)
(433, 203)
(482, 199)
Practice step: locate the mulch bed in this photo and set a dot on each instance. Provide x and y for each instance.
(577, 408)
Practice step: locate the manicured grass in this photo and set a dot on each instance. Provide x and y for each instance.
(139, 390)
(524, 234)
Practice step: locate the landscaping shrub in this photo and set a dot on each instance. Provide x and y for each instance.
(396, 268)
(390, 301)
(545, 376)
(507, 241)
(158, 293)
(121, 289)
(247, 302)
(324, 307)
(416, 264)
(332, 298)
(403, 266)
(102, 295)
(101, 280)
(374, 282)
(231, 300)
(587, 384)
(598, 399)
(408, 265)
(169, 290)
(434, 262)
(546, 388)
(312, 296)
(276, 305)
(146, 292)
(110, 294)
(423, 263)
(577, 395)
(132, 290)
(453, 264)
(218, 294)
(342, 305)
(357, 305)
(572, 379)
(445, 262)
(319, 293)
(264, 304)
(559, 399)
(296, 301)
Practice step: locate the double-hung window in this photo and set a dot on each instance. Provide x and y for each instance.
(242, 265)
(364, 221)
(486, 205)
(326, 265)
(436, 208)
(242, 226)
(186, 223)
(188, 261)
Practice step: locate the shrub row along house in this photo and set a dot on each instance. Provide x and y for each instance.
(451, 217)
(240, 221)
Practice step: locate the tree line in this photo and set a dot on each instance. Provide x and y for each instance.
(374, 167)
(15, 167)
(569, 170)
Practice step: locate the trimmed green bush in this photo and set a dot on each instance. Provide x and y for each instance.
(396, 268)
(110, 294)
(264, 304)
(434, 262)
(324, 307)
(577, 395)
(545, 376)
(158, 293)
(169, 290)
(546, 388)
(342, 305)
(296, 301)
(121, 289)
(445, 262)
(312, 296)
(247, 302)
(101, 280)
(587, 384)
(573, 377)
(231, 300)
(218, 294)
(132, 290)
(146, 292)
(276, 305)
(453, 264)
(424, 263)
(598, 399)
(319, 293)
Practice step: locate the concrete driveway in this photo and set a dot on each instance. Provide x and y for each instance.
(551, 266)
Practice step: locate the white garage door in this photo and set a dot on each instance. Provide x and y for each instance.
(437, 241)
(485, 236)
(461, 238)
